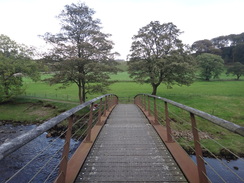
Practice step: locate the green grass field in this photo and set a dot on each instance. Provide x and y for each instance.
(223, 98)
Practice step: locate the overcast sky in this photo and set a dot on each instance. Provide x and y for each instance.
(24, 20)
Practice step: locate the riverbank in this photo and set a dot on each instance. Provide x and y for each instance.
(25, 111)
(31, 111)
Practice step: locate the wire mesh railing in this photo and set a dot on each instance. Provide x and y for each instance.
(190, 128)
(75, 123)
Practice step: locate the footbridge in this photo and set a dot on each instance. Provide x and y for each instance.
(142, 141)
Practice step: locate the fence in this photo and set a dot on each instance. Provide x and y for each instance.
(54, 96)
(80, 121)
(176, 118)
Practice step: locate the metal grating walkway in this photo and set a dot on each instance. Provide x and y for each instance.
(129, 150)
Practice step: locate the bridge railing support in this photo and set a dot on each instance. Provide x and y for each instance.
(88, 136)
(198, 149)
(87, 125)
(65, 154)
(169, 133)
(143, 101)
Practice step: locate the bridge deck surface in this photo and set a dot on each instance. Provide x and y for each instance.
(129, 150)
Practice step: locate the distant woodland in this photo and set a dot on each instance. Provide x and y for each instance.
(230, 47)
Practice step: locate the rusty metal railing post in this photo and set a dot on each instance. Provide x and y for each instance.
(88, 136)
(100, 112)
(105, 106)
(155, 111)
(65, 154)
(116, 100)
(140, 101)
(112, 103)
(144, 102)
(109, 102)
(198, 149)
(148, 102)
(168, 128)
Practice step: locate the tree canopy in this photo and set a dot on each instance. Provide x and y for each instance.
(205, 46)
(15, 62)
(211, 66)
(236, 69)
(81, 53)
(230, 47)
(159, 56)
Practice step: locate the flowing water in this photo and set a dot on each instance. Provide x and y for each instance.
(222, 168)
(12, 163)
(19, 158)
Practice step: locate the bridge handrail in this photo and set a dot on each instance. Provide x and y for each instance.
(14, 144)
(218, 121)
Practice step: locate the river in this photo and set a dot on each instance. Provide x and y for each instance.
(19, 158)
(16, 160)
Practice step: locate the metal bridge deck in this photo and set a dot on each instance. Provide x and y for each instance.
(129, 150)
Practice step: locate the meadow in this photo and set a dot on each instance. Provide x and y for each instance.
(223, 98)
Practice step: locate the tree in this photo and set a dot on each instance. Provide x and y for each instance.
(158, 56)
(81, 53)
(237, 69)
(238, 53)
(230, 47)
(15, 62)
(205, 46)
(211, 66)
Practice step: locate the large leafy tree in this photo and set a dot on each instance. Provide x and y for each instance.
(205, 46)
(15, 62)
(81, 53)
(236, 69)
(159, 56)
(211, 66)
(232, 47)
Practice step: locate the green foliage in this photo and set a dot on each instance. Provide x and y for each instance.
(158, 56)
(15, 63)
(122, 66)
(10, 48)
(230, 47)
(211, 66)
(81, 53)
(237, 69)
(205, 46)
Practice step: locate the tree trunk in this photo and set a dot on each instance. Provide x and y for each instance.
(155, 87)
(6, 91)
(83, 93)
(79, 93)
